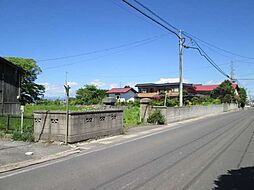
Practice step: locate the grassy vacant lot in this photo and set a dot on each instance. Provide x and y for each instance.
(13, 122)
(131, 116)
(30, 108)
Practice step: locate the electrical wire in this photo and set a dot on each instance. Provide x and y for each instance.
(246, 79)
(157, 22)
(99, 57)
(202, 53)
(178, 30)
(200, 50)
(106, 49)
(216, 47)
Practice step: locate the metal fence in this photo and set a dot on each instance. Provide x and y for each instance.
(9, 123)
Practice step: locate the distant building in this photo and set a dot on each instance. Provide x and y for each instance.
(123, 94)
(151, 90)
(10, 77)
(207, 89)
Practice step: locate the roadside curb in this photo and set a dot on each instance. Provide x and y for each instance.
(19, 165)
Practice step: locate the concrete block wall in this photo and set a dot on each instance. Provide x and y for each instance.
(173, 114)
(82, 125)
(182, 113)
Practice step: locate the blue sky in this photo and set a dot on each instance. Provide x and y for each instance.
(45, 29)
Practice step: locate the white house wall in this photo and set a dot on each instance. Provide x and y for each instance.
(126, 96)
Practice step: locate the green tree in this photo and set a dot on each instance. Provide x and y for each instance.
(89, 94)
(30, 91)
(242, 97)
(224, 92)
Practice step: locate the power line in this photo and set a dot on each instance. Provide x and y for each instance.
(144, 41)
(201, 51)
(162, 25)
(209, 59)
(216, 47)
(178, 30)
(148, 74)
(246, 79)
(130, 12)
(98, 57)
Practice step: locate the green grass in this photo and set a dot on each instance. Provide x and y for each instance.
(30, 108)
(14, 121)
(131, 116)
(14, 124)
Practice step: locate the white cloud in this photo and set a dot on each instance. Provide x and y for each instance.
(98, 83)
(212, 82)
(72, 84)
(170, 80)
(53, 90)
(113, 85)
(131, 84)
(57, 90)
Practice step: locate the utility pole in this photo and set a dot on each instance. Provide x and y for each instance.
(232, 72)
(67, 90)
(180, 70)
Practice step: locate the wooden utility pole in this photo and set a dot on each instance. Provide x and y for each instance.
(180, 70)
(232, 72)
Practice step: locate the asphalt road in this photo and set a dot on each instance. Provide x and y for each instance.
(191, 156)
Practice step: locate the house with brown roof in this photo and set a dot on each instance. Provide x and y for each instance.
(123, 94)
(152, 90)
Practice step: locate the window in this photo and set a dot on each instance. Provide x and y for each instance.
(175, 90)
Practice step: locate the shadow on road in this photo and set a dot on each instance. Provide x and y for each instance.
(242, 178)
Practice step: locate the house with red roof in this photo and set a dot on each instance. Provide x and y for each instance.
(207, 89)
(123, 94)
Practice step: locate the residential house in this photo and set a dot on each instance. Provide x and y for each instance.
(151, 90)
(207, 89)
(123, 94)
(10, 76)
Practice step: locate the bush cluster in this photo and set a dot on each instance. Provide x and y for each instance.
(156, 118)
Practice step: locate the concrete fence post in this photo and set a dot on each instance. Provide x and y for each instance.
(144, 109)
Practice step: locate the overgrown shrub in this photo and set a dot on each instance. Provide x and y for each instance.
(156, 118)
(26, 136)
(172, 102)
